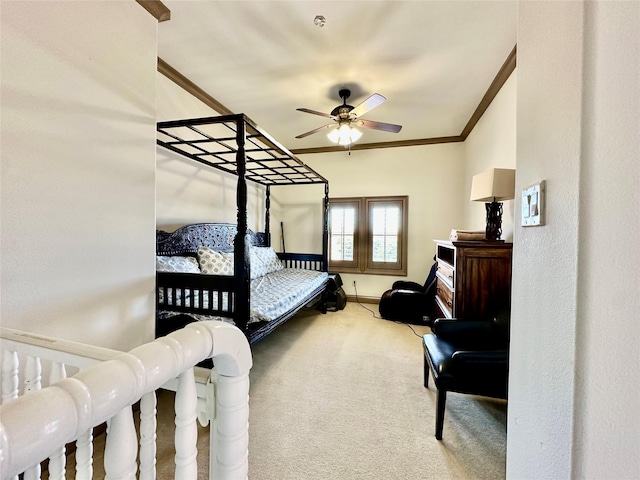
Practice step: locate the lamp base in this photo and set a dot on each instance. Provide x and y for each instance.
(494, 221)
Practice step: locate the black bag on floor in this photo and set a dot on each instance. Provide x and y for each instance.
(335, 297)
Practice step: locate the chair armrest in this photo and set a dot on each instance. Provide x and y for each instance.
(462, 333)
(453, 326)
(406, 285)
(408, 294)
(481, 372)
(485, 357)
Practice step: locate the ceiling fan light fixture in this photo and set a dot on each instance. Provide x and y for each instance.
(346, 116)
(344, 135)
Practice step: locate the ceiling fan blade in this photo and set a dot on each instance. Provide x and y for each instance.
(315, 130)
(369, 104)
(314, 112)
(385, 127)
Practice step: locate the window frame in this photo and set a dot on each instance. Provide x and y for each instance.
(351, 265)
(363, 236)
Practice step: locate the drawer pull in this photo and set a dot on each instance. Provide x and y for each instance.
(449, 303)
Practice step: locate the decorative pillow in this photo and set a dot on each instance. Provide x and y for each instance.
(263, 260)
(215, 263)
(176, 264)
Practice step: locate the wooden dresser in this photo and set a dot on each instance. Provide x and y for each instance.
(473, 279)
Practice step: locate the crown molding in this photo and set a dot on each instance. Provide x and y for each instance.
(182, 81)
(501, 77)
(156, 8)
(369, 146)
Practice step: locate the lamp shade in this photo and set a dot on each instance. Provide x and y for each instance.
(344, 134)
(496, 184)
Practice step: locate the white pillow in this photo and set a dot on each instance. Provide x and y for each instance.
(263, 260)
(176, 264)
(215, 263)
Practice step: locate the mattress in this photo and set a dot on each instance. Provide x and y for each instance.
(272, 295)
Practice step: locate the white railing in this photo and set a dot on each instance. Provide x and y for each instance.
(36, 421)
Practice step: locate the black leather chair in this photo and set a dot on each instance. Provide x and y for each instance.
(467, 356)
(410, 302)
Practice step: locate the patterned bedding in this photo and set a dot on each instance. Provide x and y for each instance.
(278, 292)
(273, 294)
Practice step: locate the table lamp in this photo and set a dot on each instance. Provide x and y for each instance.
(492, 187)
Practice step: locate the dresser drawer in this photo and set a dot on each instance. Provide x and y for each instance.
(444, 297)
(445, 271)
(439, 311)
(473, 278)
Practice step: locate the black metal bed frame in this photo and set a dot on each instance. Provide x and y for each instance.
(236, 145)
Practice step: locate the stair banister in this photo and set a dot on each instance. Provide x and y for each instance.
(30, 433)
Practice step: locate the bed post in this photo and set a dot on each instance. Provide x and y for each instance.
(267, 233)
(325, 231)
(241, 249)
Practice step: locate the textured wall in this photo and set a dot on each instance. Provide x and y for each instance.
(543, 318)
(573, 405)
(78, 168)
(607, 396)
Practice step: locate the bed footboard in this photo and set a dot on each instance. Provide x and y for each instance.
(197, 293)
(307, 261)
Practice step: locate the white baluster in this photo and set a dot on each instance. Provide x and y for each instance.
(32, 383)
(121, 448)
(148, 424)
(10, 380)
(229, 445)
(32, 374)
(186, 435)
(84, 456)
(57, 461)
(9, 376)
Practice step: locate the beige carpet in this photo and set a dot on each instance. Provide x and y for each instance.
(340, 396)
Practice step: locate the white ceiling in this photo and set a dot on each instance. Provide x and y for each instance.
(432, 60)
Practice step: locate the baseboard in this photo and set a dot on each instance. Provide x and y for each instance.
(361, 299)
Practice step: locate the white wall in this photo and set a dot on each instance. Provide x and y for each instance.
(300, 209)
(492, 144)
(77, 210)
(607, 396)
(544, 309)
(429, 175)
(187, 192)
(573, 406)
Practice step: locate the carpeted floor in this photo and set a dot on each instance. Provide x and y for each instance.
(341, 396)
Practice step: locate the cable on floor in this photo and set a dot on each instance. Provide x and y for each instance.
(380, 318)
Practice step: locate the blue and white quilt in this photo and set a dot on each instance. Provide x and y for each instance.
(272, 295)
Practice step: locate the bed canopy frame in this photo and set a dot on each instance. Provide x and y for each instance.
(236, 145)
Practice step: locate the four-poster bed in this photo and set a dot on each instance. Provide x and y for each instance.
(235, 145)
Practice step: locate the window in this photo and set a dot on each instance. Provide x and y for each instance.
(368, 235)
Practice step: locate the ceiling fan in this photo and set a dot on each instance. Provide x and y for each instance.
(345, 117)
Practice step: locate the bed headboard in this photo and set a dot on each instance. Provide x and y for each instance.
(217, 236)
